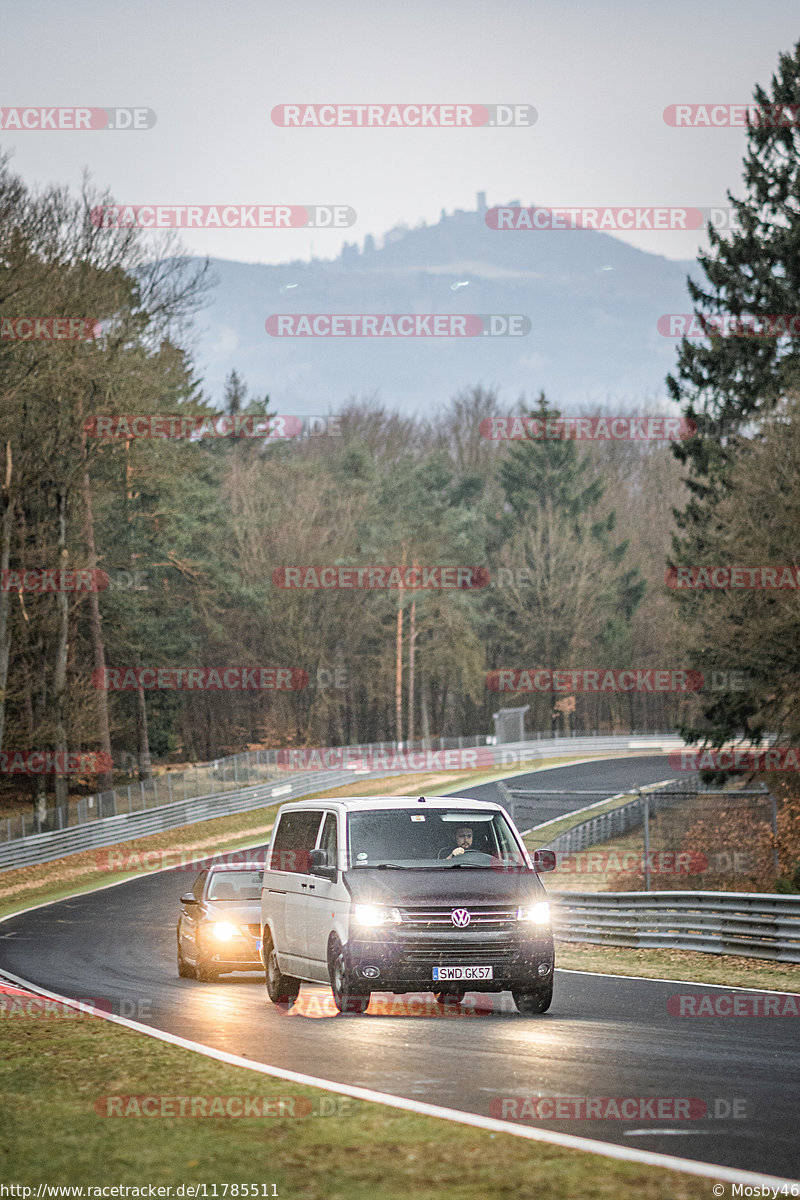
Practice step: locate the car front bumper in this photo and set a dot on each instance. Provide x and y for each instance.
(237, 954)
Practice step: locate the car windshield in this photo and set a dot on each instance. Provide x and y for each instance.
(240, 886)
(432, 838)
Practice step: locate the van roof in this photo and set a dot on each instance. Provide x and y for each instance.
(379, 803)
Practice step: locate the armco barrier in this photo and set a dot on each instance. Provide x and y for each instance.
(108, 831)
(614, 823)
(756, 925)
(96, 832)
(240, 771)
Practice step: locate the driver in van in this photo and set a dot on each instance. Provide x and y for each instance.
(463, 841)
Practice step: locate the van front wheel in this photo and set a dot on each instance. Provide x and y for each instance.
(530, 1004)
(281, 989)
(345, 996)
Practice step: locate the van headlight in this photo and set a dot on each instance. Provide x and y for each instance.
(539, 913)
(373, 915)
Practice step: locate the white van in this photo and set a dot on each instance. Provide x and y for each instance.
(400, 894)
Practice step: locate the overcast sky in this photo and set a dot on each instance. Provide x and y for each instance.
(599, 74)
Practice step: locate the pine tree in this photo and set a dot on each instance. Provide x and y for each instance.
(574, 605)
(730, 383)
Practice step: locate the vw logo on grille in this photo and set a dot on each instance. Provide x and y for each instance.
(460, 917)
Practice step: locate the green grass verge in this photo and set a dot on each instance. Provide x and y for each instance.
(726, 969)
(54, 1070)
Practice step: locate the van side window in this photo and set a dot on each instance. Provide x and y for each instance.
(294, 838)
(328, 841)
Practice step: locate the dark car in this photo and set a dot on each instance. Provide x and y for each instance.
(219, 926)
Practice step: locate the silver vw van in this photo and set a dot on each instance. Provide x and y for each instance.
(400, 894)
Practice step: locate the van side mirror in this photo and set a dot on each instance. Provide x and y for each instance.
(188, 898)
(544, 860)
(318, 864)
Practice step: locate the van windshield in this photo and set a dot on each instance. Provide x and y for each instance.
(435, 838)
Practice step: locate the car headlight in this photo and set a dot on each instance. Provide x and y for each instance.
(538, 913)
(372, 915)
(223, 931)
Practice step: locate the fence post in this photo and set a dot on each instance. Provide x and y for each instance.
(646, 815)
(774, 832)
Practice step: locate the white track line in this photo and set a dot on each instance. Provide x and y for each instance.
(726, 987)
(568, 1141)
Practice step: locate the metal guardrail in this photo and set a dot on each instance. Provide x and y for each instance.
(108, 831)
(251, 767)
(755, 925)
(618, 821)
(159, 814)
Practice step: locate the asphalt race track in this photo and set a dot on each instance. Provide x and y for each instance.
(603, 1037)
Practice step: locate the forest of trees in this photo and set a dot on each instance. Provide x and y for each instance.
(576, 536)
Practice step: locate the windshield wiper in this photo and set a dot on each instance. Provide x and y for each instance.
(383, 867)
(469, 866)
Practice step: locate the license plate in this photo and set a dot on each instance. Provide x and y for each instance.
(443, 974)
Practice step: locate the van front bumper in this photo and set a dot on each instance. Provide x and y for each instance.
(394, 962)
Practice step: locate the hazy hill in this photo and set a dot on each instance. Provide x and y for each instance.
(593, 302)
